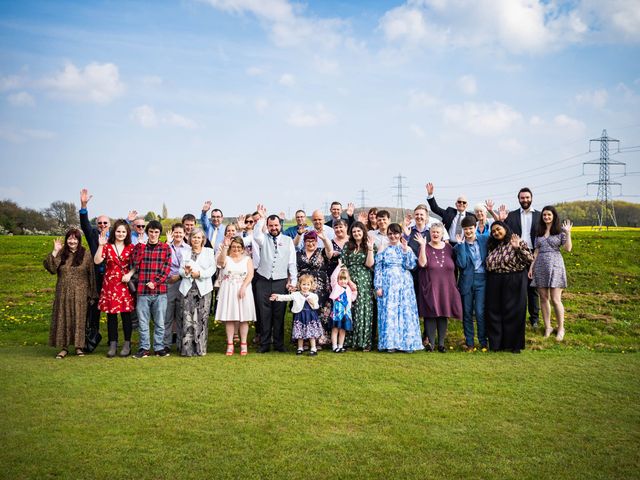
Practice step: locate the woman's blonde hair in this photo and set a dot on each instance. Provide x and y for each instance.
(306, 278)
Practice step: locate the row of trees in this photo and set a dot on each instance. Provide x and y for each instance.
(59, 216)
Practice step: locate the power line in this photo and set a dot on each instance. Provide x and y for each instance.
(399, 195)
(362, 197)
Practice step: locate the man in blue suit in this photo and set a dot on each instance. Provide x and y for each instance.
(471, 253)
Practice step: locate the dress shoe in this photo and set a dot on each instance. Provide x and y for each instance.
(560, 335)
(547, 332)
(280, 349)
(263, 350)
(442, 349)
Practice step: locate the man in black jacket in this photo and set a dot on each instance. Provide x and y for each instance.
(451, 217)
(524, 222)
(91, 234)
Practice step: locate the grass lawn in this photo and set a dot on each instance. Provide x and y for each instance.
(555, 411)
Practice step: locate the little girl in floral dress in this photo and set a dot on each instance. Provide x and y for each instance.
(343, 293)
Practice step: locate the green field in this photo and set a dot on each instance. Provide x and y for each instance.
(565, 410)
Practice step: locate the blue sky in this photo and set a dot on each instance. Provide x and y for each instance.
(296, 104)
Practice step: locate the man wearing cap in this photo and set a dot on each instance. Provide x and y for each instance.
(451, 217)
(471, 253)
(277, 273)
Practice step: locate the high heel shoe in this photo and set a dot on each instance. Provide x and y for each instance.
(229, 349)
(560, 335)
(243, 349)
(548, 331)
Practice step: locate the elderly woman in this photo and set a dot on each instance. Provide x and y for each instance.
(398, 322)
(358, 256)
(75, 290)
(438, 297)
(507, 262)
(115, 297)
(196, 286)
(315, 262)
(235, 299)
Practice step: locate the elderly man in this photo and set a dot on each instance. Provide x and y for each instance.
(317, 219)
(214, 229)
(336, 213)
(451, 217)
(92, 234)
(137, 223)
(277, 273)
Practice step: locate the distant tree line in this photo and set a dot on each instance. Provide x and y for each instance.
(59, 216)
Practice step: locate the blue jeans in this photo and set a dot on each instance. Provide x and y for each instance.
(151, 306)
(474, 301)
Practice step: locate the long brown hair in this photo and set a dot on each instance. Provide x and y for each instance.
(112, 233)
(79, 256)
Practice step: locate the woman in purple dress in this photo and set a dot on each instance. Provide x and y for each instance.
(438, 296)
(547, 270)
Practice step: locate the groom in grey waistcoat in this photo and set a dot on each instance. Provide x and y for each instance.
(276, 273)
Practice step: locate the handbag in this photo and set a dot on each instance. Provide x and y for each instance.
(92, 332)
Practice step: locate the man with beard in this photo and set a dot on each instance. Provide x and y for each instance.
(523, 222)
(277, 273)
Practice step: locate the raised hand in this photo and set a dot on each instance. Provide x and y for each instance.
(241, 222)
(489, 204)
(566, 225)
(404, 244)
(362, 217)
(370, 243)
(102, 239)
(515, 241)
(282, 215)
(169, 236)
(207, 206)
(260, 208)
(350, 209)
(84, 198)
(429, 187)
(57, 245)
(406, 225)
(502, 212)
(459, 237)
(420, 240)
(226, 242)
(133, 214)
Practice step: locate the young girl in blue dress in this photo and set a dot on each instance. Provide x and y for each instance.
(343, 294)
(306, 324)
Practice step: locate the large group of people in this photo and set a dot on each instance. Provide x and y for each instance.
(351, 281)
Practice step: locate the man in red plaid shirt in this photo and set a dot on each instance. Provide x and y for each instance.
(152, 261)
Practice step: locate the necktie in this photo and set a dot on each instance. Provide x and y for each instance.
(459, 225)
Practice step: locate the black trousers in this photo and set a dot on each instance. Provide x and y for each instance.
(271, 313)
(258, 324)
(94, 311)
(533, 303)
(506, 310)
(112, 326)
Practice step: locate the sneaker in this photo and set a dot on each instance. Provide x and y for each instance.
(162, 353)
(142, 353)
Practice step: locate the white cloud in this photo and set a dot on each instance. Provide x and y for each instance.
(565, 121)
(517, 26)
(287, 80)
(99, 83)
(481, 118)
(152, 80)
(318, 117)
(146, 117)
(629, 95)
(417, 130)
(467, 84)
(10, 82)
(285, 22)
(596, 98)
(418, 99)
(511, 145)
(326, 66)
(21, 99)
(22, 135)
(536, 121)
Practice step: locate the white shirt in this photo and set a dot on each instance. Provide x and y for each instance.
(526, 217)
(454, 224)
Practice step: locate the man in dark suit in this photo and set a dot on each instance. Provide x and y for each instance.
(336, 214)
(524, 222)
(451, 217)
(471, 254)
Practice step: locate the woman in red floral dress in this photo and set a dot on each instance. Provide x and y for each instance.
(115, 296)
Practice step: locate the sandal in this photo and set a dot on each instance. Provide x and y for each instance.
(62, 353)
(243, 349)
(229, 349)
(79, 352)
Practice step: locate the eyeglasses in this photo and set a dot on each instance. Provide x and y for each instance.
(461, 201)
(103, 223)
(139, 226)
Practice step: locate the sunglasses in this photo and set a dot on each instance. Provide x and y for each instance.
(461, 201)
(103, 223)
(139, 226)
(249, 221)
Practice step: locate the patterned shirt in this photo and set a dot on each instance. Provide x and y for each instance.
(152, 262)
(506, 259)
